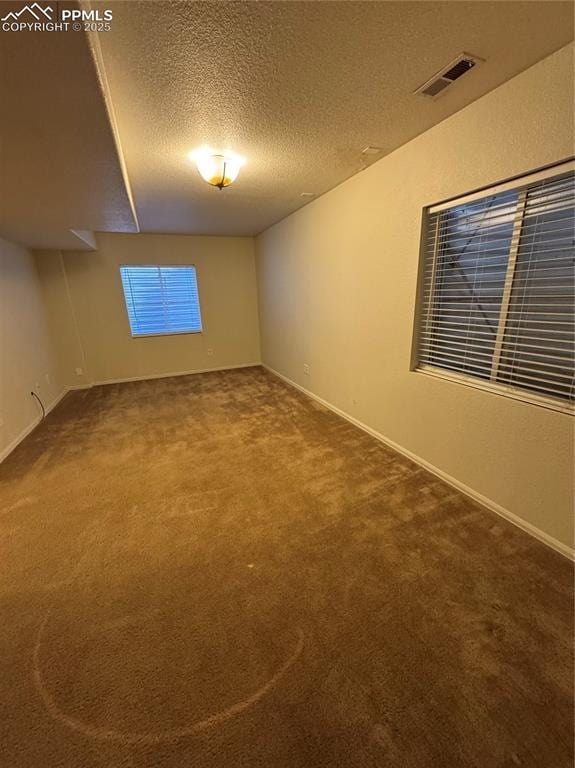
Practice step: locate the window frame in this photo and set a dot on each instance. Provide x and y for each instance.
(521, 184)
(161, 333)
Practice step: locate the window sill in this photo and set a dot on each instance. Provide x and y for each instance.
(498, 389)
(164, 333)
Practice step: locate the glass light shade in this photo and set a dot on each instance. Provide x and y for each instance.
(219, 169)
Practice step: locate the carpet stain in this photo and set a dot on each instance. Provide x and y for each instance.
(212, 571)
(151, 739)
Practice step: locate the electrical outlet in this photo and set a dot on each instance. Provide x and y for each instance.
(37, 386)
(306, 369)
(210, 352)
(47, 378)
(79, 372)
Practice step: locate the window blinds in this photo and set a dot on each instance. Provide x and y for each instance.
(499, 288)
(161, 300)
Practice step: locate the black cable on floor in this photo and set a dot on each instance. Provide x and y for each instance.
(41, 404)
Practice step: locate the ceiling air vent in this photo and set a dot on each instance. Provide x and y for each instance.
(449, 74)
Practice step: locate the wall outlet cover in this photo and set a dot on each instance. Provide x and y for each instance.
(79, 372)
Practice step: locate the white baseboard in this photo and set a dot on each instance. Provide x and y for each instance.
(25, 432)
(150, 376)
(492, 506)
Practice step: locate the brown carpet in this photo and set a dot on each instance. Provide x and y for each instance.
(212, 571)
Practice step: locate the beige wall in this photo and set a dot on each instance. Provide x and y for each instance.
(337, 283)
(61, 318)
(87, 310)
(27, 357)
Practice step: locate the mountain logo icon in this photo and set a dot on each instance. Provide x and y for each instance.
(35, 10)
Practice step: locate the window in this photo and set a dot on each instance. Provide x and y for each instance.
(497, 305)
(161, 300)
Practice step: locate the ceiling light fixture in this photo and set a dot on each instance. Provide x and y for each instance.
(220, 169)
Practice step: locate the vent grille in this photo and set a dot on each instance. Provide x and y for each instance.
(459, 69)
(436, 87)
(449, 74)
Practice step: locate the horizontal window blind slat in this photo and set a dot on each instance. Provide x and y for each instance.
(463, 355)
(523, 271)
(561, 363)
(478, 250)
(535, 228)
(482, 255)
(456, 323)
(472, 352)
(524, 369)
(538, 381)
(469, 270)
(456, 362)
(563, 393)
(470, 312)
(469, 283)
(553, 387)
(559, 301)
(528, 342)
(564, 291)
(490, 219)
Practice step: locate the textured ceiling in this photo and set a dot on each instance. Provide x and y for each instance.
(298, 88)
(59, 169)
